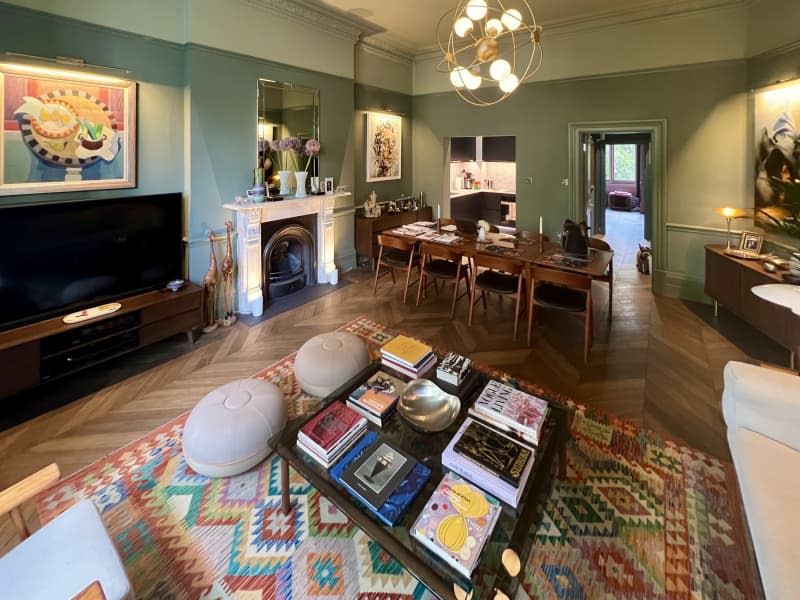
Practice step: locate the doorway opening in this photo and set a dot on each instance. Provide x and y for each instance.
(619, 206)
(619, 168)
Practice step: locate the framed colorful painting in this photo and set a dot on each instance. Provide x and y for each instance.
(776, 115)
(384, 146)
(65, 131)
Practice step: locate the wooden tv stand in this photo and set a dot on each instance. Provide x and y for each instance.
(50, 349)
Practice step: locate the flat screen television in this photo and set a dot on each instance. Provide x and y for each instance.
(62, 257)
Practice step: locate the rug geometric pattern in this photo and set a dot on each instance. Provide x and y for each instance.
(635, 517)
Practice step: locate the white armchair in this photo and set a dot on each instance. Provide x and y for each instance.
(66, 557)
(761, 406)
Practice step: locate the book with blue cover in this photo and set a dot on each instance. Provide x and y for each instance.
(398, 499)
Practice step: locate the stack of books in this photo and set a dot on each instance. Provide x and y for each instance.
(377, 399)
(408, 356)
(491, 460)
(381, 477)
(512, 411)
(456, 523)
(453, 369)
(329, 434)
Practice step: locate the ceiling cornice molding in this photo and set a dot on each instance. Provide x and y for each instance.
(383, 49)
(791, 47)
(316, 14)
(659, 10)
(655, 11)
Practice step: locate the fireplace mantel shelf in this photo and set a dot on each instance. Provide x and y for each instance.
(250, 216)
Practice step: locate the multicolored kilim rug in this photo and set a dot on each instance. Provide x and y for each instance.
(636, 517)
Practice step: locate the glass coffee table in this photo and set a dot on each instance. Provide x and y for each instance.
(514, 529)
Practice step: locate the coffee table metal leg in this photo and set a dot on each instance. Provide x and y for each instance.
(286, 503)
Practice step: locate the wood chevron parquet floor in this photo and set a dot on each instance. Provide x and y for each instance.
(658, 363)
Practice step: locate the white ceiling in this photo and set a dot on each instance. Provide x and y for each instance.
(410, 25)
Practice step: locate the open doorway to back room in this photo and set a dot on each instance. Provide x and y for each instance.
(618, 203)
(625, 199)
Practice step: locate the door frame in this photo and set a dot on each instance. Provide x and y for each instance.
(657, 128)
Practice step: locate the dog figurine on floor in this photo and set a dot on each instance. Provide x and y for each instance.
(643, 259)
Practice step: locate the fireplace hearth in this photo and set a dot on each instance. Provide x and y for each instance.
(289, 260)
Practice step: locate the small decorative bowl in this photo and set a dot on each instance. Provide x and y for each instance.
(427, 407)
(175, 284)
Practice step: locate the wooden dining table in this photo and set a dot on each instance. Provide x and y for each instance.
(528, 251)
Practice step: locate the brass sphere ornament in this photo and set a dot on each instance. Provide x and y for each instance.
(489, 48)
(486, 49)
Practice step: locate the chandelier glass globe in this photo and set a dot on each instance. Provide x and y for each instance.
(512, 19)
(500, 69)
(476, 9)
(462, 27)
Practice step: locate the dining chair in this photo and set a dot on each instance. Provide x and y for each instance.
(439, 262)
(501, 276)
(562, 290)
(524, 234)
(69, 557)
(608, 276)
(394, 254)
(446, 221)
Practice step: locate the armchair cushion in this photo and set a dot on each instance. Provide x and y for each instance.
(767, 474)
(63, 558)
(763, 400)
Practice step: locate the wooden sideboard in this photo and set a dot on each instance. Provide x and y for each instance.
(729, 281)
(367, 228)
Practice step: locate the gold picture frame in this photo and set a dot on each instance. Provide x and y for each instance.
(68, 131)
(751, 242)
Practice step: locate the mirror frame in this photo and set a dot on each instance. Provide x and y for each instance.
(264, 84)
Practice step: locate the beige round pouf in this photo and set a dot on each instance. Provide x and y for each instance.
(329, 360)
(234, 427)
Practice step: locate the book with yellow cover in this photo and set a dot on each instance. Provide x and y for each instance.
(456, 522)
(406, 350)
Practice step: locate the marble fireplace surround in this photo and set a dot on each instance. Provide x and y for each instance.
(249, 245)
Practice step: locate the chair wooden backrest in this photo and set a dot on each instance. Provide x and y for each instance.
(498, 263)
(599, 244)
(389, 241)
(565, 278)
(446, 221)
(13, 497)
(440, 251)
(524, 234)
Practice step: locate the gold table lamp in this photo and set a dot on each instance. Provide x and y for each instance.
(730, 214)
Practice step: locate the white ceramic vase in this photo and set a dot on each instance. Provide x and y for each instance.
(285, 189)
(301, 184)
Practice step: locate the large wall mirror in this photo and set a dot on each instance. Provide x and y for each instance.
(285, 110)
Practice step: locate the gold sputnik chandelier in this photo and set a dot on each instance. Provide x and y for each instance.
(489, 47)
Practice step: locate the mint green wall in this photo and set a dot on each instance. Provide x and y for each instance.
(221, 89)
(156, 65)
(705, 109)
